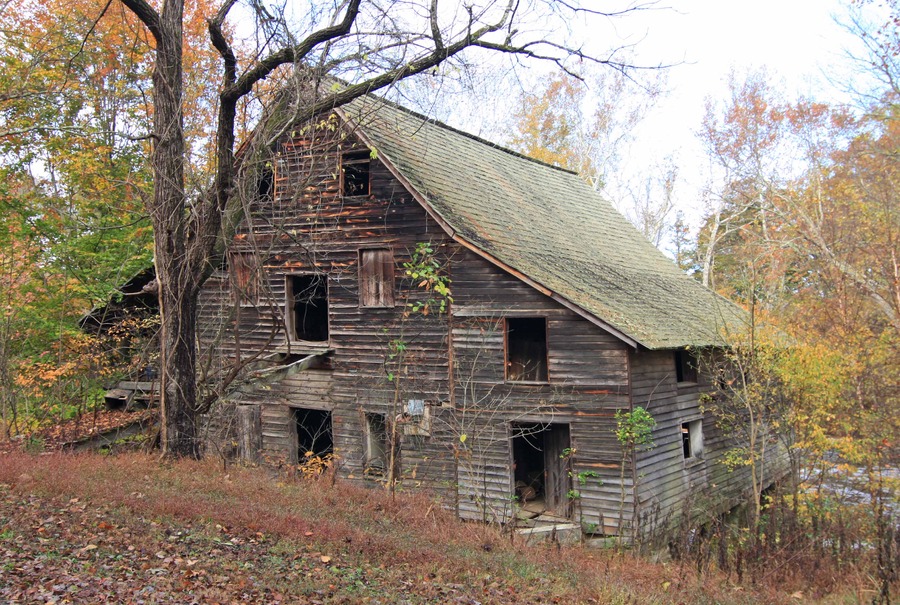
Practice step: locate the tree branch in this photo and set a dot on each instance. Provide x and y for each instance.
(292, 54)
(221, 44)
(435, 29)
(148, 16)
(589, 11)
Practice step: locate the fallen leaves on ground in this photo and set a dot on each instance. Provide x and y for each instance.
(134, 529)
(81, 428)
(58, 551)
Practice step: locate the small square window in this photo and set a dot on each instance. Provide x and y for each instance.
(307, 307)
(685, 367)
(355, 172)
(376, 277)
(526, 349)
(692, 439)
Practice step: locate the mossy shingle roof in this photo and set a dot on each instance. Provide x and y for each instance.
(550, 226)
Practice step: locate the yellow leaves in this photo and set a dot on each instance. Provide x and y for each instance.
(76, 361)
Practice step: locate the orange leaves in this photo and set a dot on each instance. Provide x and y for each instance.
(806, 233)
(548, 122)
(76, 356)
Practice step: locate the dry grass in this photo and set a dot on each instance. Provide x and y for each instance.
(409, 542)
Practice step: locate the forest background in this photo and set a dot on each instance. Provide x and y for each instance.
(800, 224)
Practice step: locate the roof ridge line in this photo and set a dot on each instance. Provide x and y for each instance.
(468, 135)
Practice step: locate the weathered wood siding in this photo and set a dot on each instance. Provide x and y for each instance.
(670, 485)
(307, 226)
(455, 362)
(588, 381)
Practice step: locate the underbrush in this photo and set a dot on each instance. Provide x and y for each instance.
(806, 545)
(411, 540)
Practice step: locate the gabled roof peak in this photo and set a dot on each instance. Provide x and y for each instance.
(438, 124)
(547, 226)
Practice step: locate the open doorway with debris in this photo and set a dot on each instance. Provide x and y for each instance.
(312, 434)
(540, 468)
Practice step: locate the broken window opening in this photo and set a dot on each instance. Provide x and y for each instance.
(355, 172)
(307, 307)
(313, 433)
(526, 349)
(692, 439)
(376, 277)
(685, 367)
(265, 183)
(376, 450)
(541, 468)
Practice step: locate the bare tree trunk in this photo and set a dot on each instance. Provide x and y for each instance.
(177, 289)
(178, 359)
(710, 254)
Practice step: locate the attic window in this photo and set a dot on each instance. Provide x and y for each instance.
(355, 172)
(265, 182)
(685, 367)
(307, 307)
(376, 277)
(692, 439)
(526, 349)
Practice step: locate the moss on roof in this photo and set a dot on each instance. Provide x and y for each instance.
(549, 225)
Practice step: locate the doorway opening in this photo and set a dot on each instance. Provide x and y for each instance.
(307, 307)
(541, 468)
(313, 433)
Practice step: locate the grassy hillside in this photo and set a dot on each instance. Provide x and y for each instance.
(129, 528)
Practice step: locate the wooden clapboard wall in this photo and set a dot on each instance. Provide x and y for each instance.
(454, 362)
(307, 226)
(669, 484)
(587, 382)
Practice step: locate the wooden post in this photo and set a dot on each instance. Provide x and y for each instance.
(249, 432)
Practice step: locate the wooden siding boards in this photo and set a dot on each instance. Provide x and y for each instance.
(587, 382)
(670, 485)
(454, 362)
(587, 366)
(308, 226)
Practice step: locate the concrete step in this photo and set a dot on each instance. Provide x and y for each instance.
(566, 533)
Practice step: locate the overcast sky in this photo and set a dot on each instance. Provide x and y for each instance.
(797, 42)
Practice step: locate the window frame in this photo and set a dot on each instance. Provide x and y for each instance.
(507, 362)
(692, 440)
(686, 370)
(375, 463)
(386, 277)
(289, 310)
(355, 159)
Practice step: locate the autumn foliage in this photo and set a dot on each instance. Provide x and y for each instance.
(74, 146)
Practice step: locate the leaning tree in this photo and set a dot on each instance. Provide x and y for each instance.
(370, 45)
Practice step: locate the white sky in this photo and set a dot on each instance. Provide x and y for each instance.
(798, 43)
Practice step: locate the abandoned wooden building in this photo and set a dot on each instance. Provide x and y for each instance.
(499, 395)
